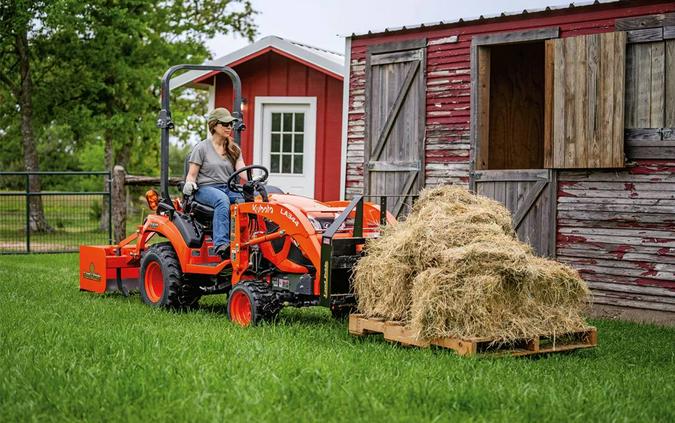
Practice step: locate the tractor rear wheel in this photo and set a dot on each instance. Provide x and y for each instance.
(162, 281)
(252, 302)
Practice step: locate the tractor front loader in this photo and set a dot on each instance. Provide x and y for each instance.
(286, 250)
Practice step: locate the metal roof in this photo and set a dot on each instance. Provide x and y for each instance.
(325, 59)
(524, 12)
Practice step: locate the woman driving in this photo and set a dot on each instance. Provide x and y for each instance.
(212, 161)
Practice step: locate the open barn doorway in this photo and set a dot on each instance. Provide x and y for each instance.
(508, 142)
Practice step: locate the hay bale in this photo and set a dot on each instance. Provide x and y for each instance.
(456, 268)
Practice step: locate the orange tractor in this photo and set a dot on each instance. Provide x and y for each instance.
(286, 250)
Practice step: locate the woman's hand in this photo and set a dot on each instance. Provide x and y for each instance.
(190, 187)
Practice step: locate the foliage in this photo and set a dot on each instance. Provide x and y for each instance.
(96, 69)
(70, 355)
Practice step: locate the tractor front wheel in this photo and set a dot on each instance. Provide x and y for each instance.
(162, 282)
(252, 302)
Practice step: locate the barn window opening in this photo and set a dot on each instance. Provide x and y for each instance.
(512, 105)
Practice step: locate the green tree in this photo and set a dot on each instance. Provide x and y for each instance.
(100, 63)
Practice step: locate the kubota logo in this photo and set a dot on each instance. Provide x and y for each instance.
(91, 274)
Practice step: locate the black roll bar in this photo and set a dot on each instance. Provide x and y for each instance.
(164, 122)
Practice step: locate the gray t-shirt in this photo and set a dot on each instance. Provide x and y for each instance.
(214, 169)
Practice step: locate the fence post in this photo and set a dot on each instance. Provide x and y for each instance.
(119, 201)
(28, 213)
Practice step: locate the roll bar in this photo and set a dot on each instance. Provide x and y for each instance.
(164, 122)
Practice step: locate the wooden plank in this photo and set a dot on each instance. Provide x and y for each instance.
(483, 108)
(560, 110)
(619, 77)
(395, 57)
(668, 32)
(658, 82)
(516, 36)
(642, 134)
(607, 84)
(553, 214)
(398, 46)
(632, 92)
(594, 104)
(512, 175)
(640, 22)
(407, 186)
(549, 66)
(528, 202)
(474, 147)
(445, 40)
(669, 65)
(650, 150)
(603, 298)
(395, 166)
(645, 35)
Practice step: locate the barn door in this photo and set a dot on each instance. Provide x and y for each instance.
(530, 197)
(395, 107)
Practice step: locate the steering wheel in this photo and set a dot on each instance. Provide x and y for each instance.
(251, 184)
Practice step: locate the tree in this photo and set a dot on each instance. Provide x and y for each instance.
(16, 18)
(101, 62)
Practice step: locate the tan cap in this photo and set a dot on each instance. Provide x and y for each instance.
(220, 114)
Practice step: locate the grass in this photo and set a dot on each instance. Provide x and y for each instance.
(70, 355)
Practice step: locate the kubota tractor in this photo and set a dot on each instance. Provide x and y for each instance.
(286, 250)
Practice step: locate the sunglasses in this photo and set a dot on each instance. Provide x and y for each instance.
(226, 124)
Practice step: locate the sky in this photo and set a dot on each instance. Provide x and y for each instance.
(326, 23)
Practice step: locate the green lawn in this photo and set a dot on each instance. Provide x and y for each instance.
(70, 355)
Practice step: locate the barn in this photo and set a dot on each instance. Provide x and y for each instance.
(292, 107)
(566, 115)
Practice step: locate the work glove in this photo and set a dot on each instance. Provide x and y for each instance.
(190, 187)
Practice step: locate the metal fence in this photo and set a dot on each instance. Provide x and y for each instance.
(74, 206)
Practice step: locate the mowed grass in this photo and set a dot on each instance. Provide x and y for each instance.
(71, 355)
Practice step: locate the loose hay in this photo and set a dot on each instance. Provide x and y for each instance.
(454, 267)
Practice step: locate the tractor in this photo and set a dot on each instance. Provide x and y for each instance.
(286, 250)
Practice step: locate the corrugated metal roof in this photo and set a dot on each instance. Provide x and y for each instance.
(486, 17)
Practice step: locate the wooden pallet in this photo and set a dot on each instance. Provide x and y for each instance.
(359, 325)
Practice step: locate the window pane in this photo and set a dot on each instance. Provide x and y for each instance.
(276, 143)
(286, 161)
(288, 143)
(299, 143)
(297, 163)
(288, 122)
(274, 163)
(276, 121)
(299, 122)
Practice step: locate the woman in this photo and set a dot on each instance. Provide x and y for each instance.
(211, 164)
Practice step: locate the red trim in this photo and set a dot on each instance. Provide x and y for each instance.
(279, 52)
(240, 308)
(154, 282)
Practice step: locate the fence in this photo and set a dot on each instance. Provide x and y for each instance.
(76, 208)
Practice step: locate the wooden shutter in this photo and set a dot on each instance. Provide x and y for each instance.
(587, 108)
(395, 93)
(650, 99)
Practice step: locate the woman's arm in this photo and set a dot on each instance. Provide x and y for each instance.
(240, 163)
(193, 171)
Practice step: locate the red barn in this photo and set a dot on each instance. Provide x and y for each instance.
(292, 108)
(566, 115)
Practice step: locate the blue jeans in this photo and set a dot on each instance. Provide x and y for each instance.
(219, 197)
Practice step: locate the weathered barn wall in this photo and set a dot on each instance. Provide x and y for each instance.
(616, 226)
(449, 82)
(618, 230)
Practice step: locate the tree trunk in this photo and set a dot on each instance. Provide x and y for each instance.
(109, 163)
(38, 223)
(119, 198)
